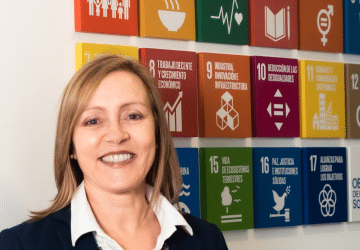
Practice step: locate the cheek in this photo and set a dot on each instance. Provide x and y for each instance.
(84, 142)
(147, 139)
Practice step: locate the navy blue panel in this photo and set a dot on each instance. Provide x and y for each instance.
(277, 187)
(351, 26)
(325, 185)
(189, 200)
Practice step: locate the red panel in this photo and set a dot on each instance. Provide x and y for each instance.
(274, 23)
(175, 72)
(112, 17)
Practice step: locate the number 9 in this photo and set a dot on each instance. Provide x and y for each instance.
(209, 70)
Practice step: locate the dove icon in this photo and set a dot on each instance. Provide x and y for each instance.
(280, 203)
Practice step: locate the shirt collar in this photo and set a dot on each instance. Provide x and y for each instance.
(83, 220)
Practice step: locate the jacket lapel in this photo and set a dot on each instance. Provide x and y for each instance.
(85, 242)
(180, 240)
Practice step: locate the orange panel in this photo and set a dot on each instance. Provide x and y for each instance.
(167, 19)
(224, 95)
(321, 25)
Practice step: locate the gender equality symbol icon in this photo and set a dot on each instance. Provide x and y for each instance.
(278, 109)
(324, 22)
(327, 201)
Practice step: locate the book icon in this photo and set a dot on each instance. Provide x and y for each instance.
(277, 26)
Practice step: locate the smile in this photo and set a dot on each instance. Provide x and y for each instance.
(116, 158)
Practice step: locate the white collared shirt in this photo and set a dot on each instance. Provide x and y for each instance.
(83, 221)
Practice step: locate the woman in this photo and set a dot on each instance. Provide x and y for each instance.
(114, 7)
(116, 170)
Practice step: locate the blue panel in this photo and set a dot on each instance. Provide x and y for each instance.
(277, 187)
(351, 26)
(189, 200)
(325, 185)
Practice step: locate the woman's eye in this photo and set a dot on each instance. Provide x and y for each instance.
(92, 122)
(134, 117)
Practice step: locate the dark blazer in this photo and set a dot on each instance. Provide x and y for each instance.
(53, 233)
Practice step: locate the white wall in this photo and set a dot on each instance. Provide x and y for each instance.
(37, 59)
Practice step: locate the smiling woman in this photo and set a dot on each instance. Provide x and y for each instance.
(116, 170)
(114, 139)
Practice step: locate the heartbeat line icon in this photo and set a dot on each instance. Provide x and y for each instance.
(225, 18)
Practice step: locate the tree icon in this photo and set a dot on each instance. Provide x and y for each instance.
(226, 198)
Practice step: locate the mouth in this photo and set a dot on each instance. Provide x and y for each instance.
(117, 157)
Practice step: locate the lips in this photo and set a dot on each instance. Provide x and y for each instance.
(117, 157)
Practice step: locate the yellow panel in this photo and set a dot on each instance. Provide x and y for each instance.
(87, 51)
(322, 96)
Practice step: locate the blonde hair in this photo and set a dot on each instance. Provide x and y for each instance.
(164, 175)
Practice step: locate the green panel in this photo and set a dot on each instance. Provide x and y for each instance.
(222, 21)
(226, 187)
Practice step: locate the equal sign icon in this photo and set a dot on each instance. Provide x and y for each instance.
(278, 109)
(324, 21)
(231, 218)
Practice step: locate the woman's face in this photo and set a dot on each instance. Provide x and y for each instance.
(114, 138)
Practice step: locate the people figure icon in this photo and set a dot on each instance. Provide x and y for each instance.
(105, 6)
(91, 7)
(126, 5)
(98, 3)
(114, 4)
(120, 10)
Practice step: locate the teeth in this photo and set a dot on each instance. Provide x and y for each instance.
(116, 158)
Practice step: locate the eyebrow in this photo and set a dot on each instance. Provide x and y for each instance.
(122, 106)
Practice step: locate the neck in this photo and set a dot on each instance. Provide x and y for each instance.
(121, 212)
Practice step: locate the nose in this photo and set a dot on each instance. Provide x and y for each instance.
(116, 133)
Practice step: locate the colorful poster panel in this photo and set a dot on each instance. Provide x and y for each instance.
(189, 199)
(322, 98)
(226, 187)
(87, 51)
(274, 23)
(325, 185)
(352, 73)
(107, 16)
(224, 95)
(351, 26)
(275, 88)
(321, 25)
(176, 75)
(353, 160)
(222, 21)
(167, 19)
(277, 187)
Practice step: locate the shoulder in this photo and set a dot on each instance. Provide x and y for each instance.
(206, 235)
(32, 235)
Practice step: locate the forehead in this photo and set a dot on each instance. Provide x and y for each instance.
(120, 87)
